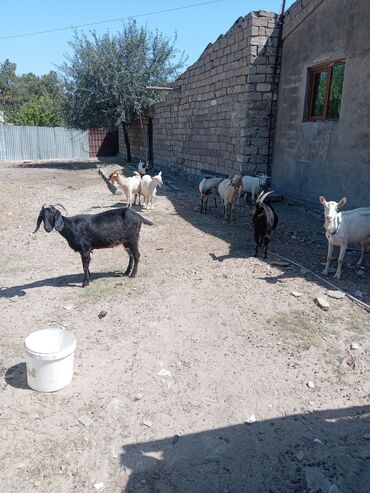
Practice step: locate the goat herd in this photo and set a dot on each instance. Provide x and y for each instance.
(86, 232)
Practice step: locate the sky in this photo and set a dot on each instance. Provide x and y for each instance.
(196, 23)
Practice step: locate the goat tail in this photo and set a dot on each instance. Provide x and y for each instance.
(144, 220)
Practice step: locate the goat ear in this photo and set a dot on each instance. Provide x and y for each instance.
(342, 202)
(322, 200)
(39, 221)
(59, 223)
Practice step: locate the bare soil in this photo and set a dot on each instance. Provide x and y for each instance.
(234, 341)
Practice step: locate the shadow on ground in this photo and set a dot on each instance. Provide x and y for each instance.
(72, 280)
(66, 166)
(16, 376)
(299, 237)
(319, 452)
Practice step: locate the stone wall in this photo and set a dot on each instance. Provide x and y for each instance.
(138, 136)
(217, 117)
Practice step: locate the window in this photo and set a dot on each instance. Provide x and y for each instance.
(325, 94)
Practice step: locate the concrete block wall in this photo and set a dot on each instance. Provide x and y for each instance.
(217, 117)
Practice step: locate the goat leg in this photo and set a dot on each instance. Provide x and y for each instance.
(130, 263)
(214, 196)
(342, 252)
(85, 257)
(364, 245)
(266, 242)
(134, 254)
(328, 259)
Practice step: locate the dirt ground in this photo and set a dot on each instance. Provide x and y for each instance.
(196, 380)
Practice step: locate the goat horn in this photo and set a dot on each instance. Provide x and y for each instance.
(264, 195)
(117, 171)
(62, 206)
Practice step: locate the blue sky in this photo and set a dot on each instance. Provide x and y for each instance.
(195, 26)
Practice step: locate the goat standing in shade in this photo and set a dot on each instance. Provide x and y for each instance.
(142, 168)
(87, 232)
(265, 221)
(206, 187)
(229, 191)
(343, 228)
(253, 185)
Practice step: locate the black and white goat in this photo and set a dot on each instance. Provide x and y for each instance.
(265, 221)
(143, 168)
(206, 187)
(87, 232)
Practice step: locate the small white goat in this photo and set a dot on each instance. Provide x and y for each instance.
(149, 187)
(253, 185)
(343, 228)
(142, 167)
(206, 187)
(130, 185)
(229, 191)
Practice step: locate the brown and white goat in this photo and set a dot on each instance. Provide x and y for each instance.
(229, 192)
(130, 185)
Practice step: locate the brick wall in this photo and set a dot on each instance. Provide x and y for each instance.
(217, 117)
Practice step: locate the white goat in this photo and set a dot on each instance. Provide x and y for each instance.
(253, 185)
(229, 191)
(130, 185)
(149, 187)
(206, 187)
(142, 167)
(343, 228)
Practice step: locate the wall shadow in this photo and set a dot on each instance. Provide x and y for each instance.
(317, 452)
(64, 165)
(299, 237)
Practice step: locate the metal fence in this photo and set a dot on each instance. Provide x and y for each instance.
(29, 143)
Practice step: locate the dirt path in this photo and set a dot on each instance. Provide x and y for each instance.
(234, 340)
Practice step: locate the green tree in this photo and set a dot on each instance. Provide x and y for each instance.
(29, 99)
(106, 77)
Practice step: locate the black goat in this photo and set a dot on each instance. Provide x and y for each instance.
(85, 233)
(265, 221)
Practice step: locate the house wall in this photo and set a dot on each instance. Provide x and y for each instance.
(329, 158)
(217, 117)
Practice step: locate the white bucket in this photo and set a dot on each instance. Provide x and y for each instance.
(49, 359)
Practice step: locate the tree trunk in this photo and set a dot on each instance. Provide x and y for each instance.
(127, 142)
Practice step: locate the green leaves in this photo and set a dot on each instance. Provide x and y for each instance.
(106, 76)
(30, 100)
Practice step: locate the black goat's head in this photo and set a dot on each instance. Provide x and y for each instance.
(51, 217)
(259, 205)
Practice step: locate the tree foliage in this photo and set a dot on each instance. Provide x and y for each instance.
(106, 76)
(29, 99)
